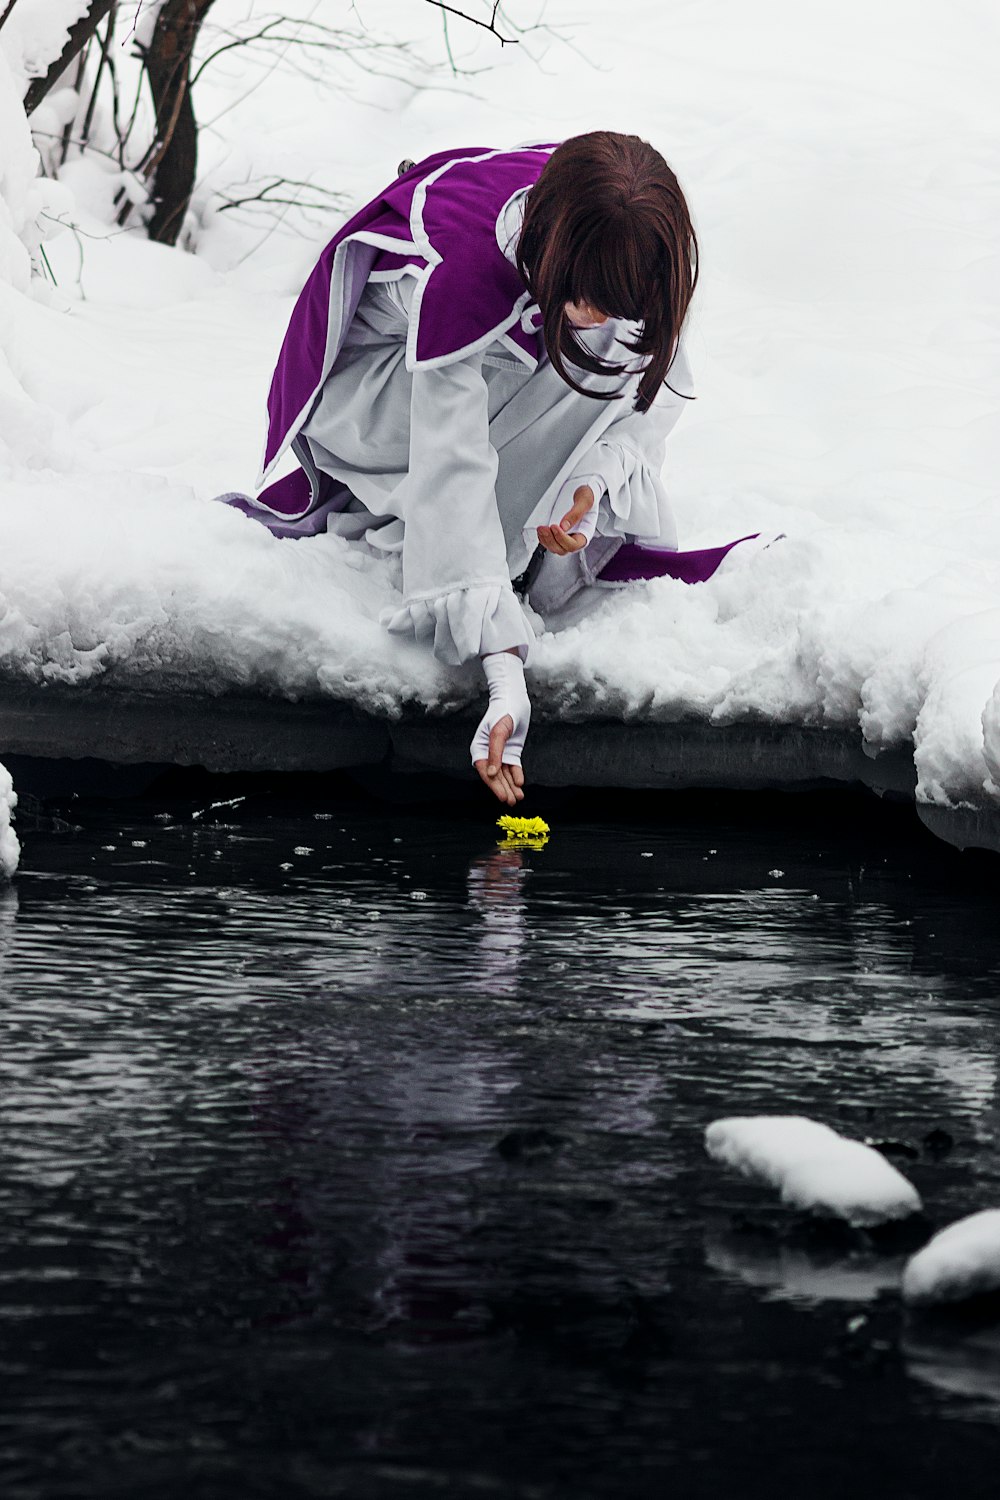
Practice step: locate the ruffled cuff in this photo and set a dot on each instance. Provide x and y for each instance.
(631, 499)
(636, 503)
(465, 622)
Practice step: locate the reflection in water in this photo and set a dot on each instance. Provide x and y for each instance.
(344, 1156)
(964, 1363)
(496, 891)
(786, 1272)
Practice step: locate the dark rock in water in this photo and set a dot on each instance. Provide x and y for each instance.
(810, 1232)
(892, 1149)
(758, 1226)
(824, 1236)
(900, 1236)
(938, 1142)
(529, 1145)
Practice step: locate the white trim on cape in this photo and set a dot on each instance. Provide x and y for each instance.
(522, 311)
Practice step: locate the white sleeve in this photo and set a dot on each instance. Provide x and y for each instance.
(456, 585)
(627, 460)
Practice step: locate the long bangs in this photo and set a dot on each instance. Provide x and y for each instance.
(607, 224)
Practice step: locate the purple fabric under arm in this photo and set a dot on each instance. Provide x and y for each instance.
(633, 562)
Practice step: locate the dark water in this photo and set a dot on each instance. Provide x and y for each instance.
(342, 1154)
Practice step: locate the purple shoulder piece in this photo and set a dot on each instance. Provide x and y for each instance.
(440, 218)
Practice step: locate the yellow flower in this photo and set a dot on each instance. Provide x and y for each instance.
(524, 832)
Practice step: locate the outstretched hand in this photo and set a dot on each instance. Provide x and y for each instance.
(562, 537)
(504, 781)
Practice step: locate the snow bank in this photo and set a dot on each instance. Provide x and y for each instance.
(18, 168)
(10, 849)
(841, 342)
(815, 1168)
(25, 198)
(960, 1262)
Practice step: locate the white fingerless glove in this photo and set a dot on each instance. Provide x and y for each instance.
(508, 695)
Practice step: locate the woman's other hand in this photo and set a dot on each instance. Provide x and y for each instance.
(504, 781)
(562, 536)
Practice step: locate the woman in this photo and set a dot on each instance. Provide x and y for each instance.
(453, 386)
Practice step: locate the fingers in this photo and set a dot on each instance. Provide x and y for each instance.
(562, 536)
(559, 541)
(499, 735)
(502, 784)
(498, 776)
(505, 781)
(583, 501)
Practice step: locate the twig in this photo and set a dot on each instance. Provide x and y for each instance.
(490, 25)
(262, 197)
(332, 40)
(135, 22)
(88, 118)
(447, 43)
(51, 135)
(75, 228)
(81, 68)
(45, 258)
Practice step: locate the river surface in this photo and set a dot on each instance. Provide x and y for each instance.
(343, 1153)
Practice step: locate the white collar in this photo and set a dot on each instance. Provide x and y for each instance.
(509, 222)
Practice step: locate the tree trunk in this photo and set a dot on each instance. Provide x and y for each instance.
(80, 33)
(174, 157)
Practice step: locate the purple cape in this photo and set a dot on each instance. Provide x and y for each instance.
(440, 218)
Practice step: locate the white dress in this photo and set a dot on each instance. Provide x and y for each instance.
(456, 466)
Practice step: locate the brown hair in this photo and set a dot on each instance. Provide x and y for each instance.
(606, 223)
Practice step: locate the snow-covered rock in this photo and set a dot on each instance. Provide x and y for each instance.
(10, 849)
(814, 1168)
(960, 1262)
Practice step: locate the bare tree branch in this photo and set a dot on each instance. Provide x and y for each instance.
(325, 38)
(333, 199)
(103, 61)
(79, 35)
(490, 25)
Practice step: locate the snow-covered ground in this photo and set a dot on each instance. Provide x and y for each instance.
(814, 1168)
(842, 166)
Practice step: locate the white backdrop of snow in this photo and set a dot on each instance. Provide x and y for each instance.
(842, 169)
